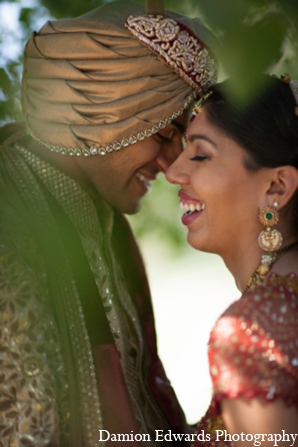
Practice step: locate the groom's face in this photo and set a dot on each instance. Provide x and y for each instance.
(123, 177)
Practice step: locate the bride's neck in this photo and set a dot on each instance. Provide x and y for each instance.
(243, 263)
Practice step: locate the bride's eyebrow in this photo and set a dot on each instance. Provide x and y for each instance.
(197, 136)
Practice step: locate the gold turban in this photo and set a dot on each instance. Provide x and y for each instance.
(92, 85)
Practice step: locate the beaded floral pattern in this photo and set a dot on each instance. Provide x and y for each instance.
(179, 47)
(33, 385)
(253, 348)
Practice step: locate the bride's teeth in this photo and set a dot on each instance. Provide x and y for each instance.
(191, 207)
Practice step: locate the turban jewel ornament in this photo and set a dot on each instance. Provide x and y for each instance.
(114, 76)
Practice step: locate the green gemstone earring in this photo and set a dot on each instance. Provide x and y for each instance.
(269, 239)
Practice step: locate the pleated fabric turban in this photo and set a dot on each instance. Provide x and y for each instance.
(112, 77)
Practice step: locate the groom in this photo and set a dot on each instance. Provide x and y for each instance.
(105, 101)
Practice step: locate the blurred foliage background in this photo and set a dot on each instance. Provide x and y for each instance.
(256, 36)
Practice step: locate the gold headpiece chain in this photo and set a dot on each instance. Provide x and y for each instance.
(199, 104)
(286, 78)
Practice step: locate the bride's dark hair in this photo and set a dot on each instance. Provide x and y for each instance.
(266, 127)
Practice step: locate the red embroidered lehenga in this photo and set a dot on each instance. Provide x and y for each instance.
(253, 350)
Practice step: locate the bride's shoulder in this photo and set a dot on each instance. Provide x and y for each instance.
(273, 291)
(267, 311)
(253, 345)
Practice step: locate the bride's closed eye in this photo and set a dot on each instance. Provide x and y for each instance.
(199, 158)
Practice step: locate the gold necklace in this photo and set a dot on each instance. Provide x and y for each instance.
(268, 259)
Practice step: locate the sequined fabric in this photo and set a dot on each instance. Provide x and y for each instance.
(34, 407)
(28, 405)
(253, 349)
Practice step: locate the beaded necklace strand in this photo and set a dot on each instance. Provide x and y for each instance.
(259, 273)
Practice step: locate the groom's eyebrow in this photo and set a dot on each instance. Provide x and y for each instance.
(181, 127)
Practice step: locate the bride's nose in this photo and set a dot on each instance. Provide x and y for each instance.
(176, 174)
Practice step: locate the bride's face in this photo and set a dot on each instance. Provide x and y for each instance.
(223, 197)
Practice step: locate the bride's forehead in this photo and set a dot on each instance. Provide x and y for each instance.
(201, 122)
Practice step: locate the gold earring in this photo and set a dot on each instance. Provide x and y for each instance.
(269, 239)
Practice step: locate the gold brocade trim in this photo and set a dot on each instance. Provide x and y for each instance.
(117, 145)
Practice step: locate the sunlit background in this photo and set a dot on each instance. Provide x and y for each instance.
(190, 289)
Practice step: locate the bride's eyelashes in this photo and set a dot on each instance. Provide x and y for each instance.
(199, 158)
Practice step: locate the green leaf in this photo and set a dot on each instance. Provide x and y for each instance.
(248, 51)
(70, 8)
(25, 15)
(5, 82)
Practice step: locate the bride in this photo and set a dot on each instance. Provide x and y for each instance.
(239, 181)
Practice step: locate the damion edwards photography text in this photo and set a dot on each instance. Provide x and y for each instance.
(221, 435)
